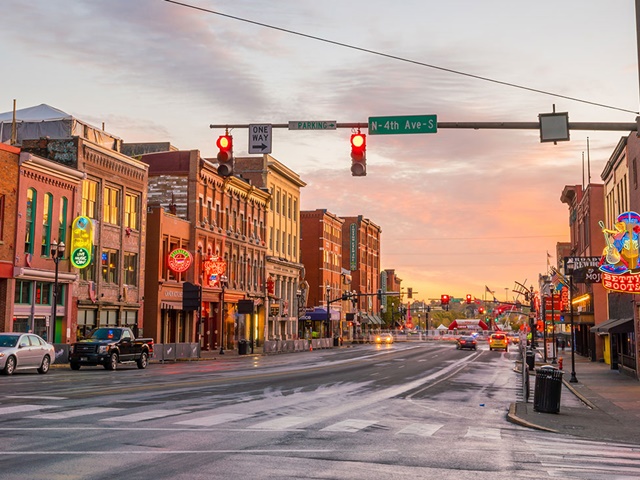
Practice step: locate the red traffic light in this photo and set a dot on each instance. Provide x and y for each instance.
(468, 298)
(225, 155)
(444, 299)
(358, 154)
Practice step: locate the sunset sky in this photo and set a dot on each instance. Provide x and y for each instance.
(459, 209)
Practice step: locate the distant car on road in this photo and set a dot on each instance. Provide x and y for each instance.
(514, 338)
(22, 351)
(498, 341)
(466, 342)
(384, 339)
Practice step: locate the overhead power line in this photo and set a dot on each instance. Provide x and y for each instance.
(401, 59)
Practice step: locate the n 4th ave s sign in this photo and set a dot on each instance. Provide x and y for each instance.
(403, 124)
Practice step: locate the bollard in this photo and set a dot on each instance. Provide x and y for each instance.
(559, 363)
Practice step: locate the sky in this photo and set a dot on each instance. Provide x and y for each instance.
(460, 210)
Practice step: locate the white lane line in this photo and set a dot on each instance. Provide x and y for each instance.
(211, 420)
(351, 425)
(74, 413)
(35, 397)
(281, 423)
(421, 429)
(493, 433)
(148, 415)
(23, 408)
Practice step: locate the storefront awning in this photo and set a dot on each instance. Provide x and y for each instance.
(614, 325)
(378, 319)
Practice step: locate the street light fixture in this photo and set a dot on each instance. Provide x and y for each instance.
(223, 286)
(57, 253)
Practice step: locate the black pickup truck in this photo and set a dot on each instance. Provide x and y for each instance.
(110, 346)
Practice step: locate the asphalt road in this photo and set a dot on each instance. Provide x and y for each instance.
(403, 411)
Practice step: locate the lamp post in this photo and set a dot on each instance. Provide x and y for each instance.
(223, 286)
(57, 253)
(573, 378)
(328, 332)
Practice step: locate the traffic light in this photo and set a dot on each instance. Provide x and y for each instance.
(380, 296)
(358, 155)
(444, 299)
(481, 310)
(225, 155)
(191, 296)
(468, 298)
(409, 292)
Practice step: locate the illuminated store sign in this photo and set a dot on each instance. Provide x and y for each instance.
(179, 260)
(619, 263)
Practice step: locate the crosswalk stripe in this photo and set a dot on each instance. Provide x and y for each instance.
(492, 433)
(23, 408)
(74, 413)
(420, 429)
(351, 425)
(281, 423)
(211, 420)
(141, 416)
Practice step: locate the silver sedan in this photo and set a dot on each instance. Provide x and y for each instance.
(22, 351)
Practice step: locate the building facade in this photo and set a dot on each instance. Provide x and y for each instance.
(285, 275)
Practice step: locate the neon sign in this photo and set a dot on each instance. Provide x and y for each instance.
(619, 262)
(214, 267)
(179, 260)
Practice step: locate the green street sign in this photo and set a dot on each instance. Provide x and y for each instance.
(403, 124)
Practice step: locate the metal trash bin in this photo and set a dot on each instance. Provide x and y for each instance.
(531, 360)
(243, 347)
(548, 389)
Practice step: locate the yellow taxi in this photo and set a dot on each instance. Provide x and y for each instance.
(499, 341)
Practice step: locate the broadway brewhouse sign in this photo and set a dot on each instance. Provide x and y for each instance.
(583, 269)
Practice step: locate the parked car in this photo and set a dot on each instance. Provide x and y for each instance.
(22, 351)
(110, 346)
(466, 342)
(498, 341)
(384, 339)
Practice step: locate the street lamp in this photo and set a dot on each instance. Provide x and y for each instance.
(223, 286)
(328, 333)
(57, 253)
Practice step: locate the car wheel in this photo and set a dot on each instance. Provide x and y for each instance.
(74, 366)
(113, 362)
(143, 361)
(10, 366)
(46, 363)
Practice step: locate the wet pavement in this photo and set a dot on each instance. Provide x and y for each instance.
(603, 404)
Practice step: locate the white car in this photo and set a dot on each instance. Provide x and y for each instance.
(22, 351)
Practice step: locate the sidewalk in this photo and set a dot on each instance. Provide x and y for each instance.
(603, 405)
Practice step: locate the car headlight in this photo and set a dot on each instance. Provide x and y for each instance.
(1, 354)
(102, 349)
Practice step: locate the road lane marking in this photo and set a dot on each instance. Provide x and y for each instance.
(492, 433)
(74, 413)
(141, 416)
(421, 429)
(211, 420)
(281, 423)
(351, 425)
(35, 397)
(23, 408)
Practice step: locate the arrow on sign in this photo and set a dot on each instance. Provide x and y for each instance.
(261, 147)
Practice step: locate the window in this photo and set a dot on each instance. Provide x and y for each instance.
(111, 208)
(29, 221)
(131, 269)
(109, 261)
(131, 208)
(89, 198)
(44, 293)
(23, 292)
(2, 203)
(62, 221)
(46, 224)
(88, 273)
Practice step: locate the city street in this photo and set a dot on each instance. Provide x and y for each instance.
(423, 410)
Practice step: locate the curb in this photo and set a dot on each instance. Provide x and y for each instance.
(513, 418)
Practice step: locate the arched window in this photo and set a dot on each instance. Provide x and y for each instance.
(29, 221)
(47, 208)
(62, 220)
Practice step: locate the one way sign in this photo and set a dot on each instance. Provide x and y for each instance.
(260, 138)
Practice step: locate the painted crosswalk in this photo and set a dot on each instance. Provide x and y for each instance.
(180, 418)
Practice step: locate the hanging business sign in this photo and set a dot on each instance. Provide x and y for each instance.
(214, 267)
(179, 260)
(81, 242)
(353, 247)
(619, 263)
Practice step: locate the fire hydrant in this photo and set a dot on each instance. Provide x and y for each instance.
(560, 363)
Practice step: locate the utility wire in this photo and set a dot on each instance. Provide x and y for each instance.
(401, 59)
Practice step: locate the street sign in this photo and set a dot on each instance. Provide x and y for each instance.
(313, 125)
(403, 124)
(260, 138)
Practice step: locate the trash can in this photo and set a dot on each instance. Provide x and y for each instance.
(546, 396)
(336, 341)
(243, 347)
(531, 359)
